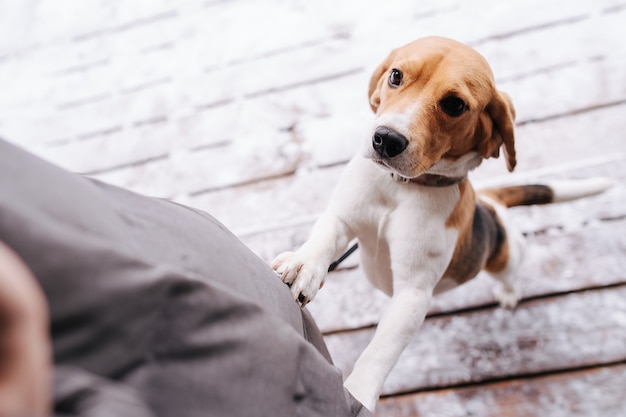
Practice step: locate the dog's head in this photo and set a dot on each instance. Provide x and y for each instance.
(438, 111)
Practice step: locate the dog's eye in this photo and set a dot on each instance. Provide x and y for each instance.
(395, 78)
(453, 106)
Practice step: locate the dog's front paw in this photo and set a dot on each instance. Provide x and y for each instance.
(304, 276)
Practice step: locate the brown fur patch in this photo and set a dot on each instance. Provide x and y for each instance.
(499, 256)
(461, 216)
(469, 255)
(482, 239)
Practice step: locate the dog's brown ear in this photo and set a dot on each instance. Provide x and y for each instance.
(497, 128)
(376, 81)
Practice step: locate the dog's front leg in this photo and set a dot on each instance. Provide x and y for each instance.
(400, 322)
(304, 270)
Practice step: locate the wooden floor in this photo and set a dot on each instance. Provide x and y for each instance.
(250, 110)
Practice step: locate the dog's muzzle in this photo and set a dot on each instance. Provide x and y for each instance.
(388, 143)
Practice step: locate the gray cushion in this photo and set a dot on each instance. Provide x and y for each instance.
(158, 302)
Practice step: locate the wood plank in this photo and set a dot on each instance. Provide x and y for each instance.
(555, 263)
(213, 167)
(272, 204)
(570, 43)
(544, 335)
(588, 92)
(123, 146)
(579, 393)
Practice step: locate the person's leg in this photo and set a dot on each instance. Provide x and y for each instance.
(163, 299)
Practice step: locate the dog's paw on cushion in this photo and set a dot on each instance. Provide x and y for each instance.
(304, 275)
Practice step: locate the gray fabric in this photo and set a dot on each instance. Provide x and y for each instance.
(78, 392)
(158, 303)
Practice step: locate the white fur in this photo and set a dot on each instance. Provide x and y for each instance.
(399, 121)
(405, 249)
(456, 168)
(566, 190)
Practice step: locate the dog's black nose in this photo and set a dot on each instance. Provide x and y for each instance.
(388, 143)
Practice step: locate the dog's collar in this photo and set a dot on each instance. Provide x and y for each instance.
(430, 180)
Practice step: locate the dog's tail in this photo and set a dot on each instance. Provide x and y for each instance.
(550, 192)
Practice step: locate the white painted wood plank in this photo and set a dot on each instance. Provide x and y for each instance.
(595, 36)
(579, 393)
(539, 336)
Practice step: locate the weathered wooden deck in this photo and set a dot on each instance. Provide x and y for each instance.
(250, 109)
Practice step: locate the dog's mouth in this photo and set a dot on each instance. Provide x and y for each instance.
(385, 166)
(405, 175)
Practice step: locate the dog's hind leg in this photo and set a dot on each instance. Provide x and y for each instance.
(507, 256)
(509, 293)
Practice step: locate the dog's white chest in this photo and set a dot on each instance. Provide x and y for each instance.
(396, 223)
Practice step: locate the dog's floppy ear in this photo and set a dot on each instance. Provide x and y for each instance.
(496, 128)
(376, 81)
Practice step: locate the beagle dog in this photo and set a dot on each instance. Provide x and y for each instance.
(421, 227)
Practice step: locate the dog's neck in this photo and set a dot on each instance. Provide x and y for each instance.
(430, 180)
